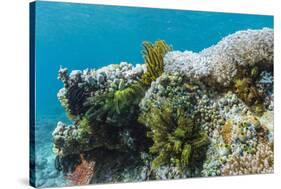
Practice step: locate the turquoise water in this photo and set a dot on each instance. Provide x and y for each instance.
(79, 36)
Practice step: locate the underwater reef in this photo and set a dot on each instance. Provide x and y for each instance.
(177, 115)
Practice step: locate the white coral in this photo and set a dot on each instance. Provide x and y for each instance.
(221, 61)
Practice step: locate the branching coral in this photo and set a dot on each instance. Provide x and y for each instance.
(219, 63)
(74, 93)
(103, 105)
(261, 162)
(153, 56)
(72, 139)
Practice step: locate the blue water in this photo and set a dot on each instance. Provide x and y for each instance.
(78, 36)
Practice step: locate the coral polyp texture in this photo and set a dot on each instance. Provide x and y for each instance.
(225, 61)
(177, 115)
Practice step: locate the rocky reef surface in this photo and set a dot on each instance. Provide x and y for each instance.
(178, 115)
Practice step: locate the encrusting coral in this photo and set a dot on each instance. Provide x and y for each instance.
(178, 115)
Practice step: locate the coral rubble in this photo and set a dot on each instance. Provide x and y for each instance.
(178, 115)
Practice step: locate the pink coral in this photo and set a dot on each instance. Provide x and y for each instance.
(83, 173)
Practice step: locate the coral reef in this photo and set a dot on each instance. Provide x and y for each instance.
(240, 135)
(178, 115)
(177, 138)
(107, 95)
(71, 139)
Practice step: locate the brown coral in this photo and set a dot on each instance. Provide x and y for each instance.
(83, 172)
(259, 163)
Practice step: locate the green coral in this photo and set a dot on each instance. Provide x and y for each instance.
(153, 56)
(176, 137)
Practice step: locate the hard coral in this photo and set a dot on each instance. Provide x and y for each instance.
(72, 139)
(219, 63)
(259, 163)
(103, 105)
(200, 111)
